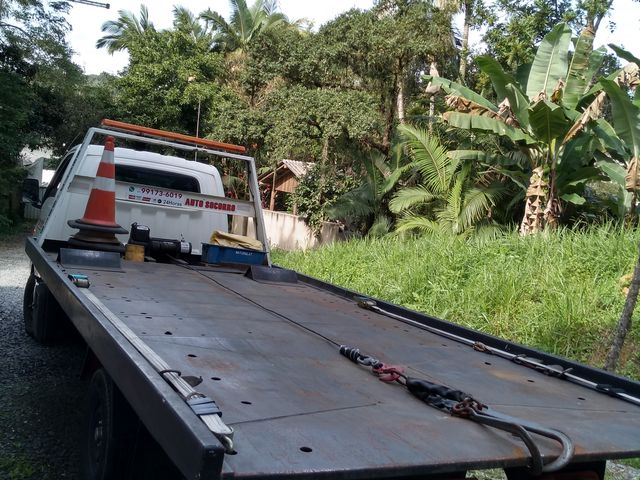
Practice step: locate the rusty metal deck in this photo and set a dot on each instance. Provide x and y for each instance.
(300, 409)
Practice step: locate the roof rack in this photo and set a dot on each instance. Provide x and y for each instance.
(153, 132)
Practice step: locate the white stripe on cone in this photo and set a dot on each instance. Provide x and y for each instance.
(107, 156)
(105, 184)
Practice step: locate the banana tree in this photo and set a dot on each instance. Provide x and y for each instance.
(622, 139)
(549, 117)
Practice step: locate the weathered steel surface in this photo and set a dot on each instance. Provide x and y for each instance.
(299, 408)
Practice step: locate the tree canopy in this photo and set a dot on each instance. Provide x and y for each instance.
(340, 95)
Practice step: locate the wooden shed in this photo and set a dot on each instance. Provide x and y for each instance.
(284, 179)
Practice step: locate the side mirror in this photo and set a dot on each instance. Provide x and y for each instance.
(31, 191)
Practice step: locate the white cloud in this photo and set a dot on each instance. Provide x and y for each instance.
(86, 22)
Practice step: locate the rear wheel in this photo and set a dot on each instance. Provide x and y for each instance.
(47, 317)
(116, 445)
(110, 431)
(27, 304)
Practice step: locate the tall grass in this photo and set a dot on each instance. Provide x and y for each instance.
(560, 292)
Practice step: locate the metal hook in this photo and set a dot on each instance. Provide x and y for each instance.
(521, 428)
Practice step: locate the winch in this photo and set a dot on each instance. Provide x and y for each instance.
(155, 247)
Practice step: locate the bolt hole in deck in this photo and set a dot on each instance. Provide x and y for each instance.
(306, 449)
(245, 402)
(191, 355)
(216, 378)
(168, 333)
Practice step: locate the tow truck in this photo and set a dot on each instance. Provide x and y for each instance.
(246, 370)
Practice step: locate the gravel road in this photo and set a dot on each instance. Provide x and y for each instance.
(41, 395)
(42, 398)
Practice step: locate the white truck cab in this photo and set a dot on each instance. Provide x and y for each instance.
(176, 197)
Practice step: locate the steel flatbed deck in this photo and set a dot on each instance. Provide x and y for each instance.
(299, 409)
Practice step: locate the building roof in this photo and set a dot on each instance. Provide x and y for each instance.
(299, 169)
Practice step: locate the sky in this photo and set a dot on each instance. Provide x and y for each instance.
(86, 21)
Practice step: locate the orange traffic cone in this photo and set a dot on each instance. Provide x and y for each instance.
(98, 225)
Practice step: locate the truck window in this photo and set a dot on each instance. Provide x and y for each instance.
(157, 178)
(52, 188)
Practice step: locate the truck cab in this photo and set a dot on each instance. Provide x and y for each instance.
(151, 189)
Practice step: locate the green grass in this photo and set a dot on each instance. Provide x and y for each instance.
(559, 292)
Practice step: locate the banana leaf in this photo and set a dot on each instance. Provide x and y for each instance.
(609, 139)
(550, 62)
(580, 177)
(519, 104)
(518, 177)
(616, 174)
(577, 80)
(573, 198)
(598, 86)
(498, 77)
(624, 54)
(522, 75)
(595, 62)
(473, 155)
(626, 116)
(455, 88)
(548, 121)
(613, 170)
(485, 124)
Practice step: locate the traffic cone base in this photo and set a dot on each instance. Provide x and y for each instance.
(102, 246)
(80, 225)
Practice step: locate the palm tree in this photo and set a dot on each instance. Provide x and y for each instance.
(121, 33)
(367, 204)
(186, 22)
(247, 23)
(451, 199)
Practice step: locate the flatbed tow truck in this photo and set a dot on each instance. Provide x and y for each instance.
(257, 372)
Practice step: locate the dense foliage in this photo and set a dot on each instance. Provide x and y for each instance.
(45, 100)
(337, 95)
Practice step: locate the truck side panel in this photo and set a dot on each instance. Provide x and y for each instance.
(187, 441)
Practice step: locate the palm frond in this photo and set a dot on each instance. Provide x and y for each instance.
(381, 227)
(430, 158)
(354, 204)
(145, 23)
(409, 197)
(477, 203)
(123, 31)
(411, 222)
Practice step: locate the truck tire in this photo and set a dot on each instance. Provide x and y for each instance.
(47, 317)
(110, 431)
(116, 445)
(27, 304)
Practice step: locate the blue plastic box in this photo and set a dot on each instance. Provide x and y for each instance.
(219, 254)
